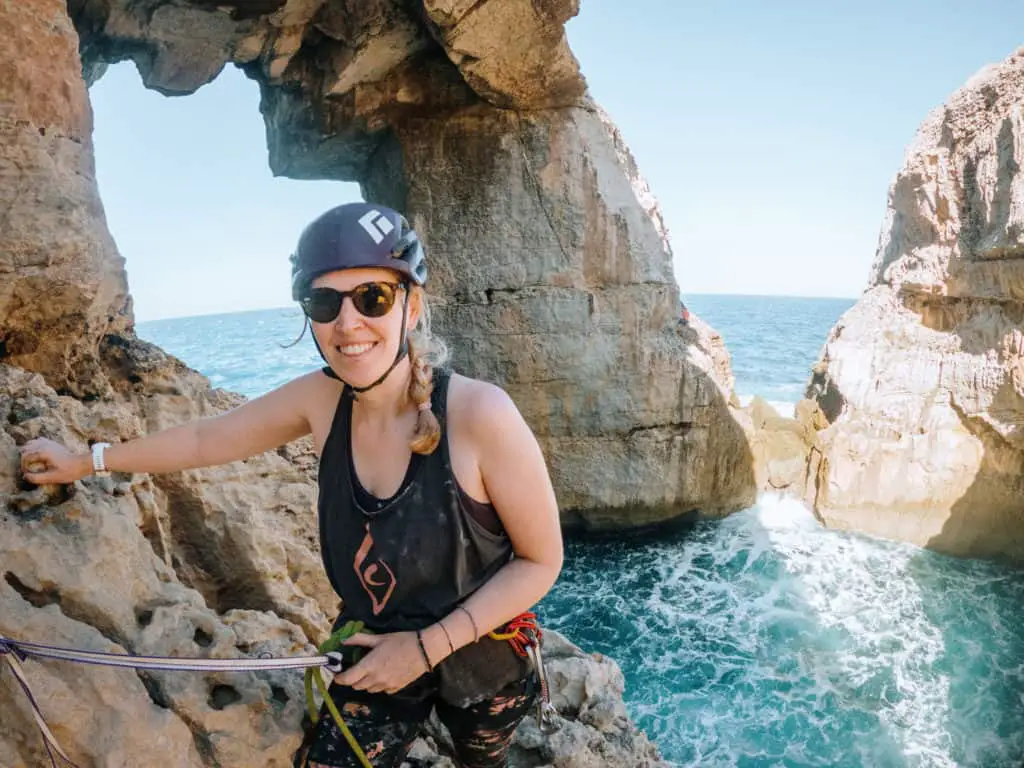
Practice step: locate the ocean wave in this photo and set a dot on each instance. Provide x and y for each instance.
(766, 638)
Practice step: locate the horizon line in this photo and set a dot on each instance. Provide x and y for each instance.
(683, 294)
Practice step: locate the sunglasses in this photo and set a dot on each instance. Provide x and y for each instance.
(323, 305)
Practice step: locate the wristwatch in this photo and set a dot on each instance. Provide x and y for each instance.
(99, 468)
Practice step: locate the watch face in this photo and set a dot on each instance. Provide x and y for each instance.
(99, 468)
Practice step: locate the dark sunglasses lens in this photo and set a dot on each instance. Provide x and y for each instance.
(374, 299)
(323, 304)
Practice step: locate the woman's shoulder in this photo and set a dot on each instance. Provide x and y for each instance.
(478, 405)
(316, 381)
(311, 391)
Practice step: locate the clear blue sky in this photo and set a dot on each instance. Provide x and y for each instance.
(768, 130)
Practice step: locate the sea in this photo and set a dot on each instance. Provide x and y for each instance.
(764, 639)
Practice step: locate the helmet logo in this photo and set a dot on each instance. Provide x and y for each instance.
(376, 225)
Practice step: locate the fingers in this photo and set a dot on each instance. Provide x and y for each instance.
(36, 467)
(390, 666)
(34, 458)
(353, 676)
(363, 639)
(367, 675)
(33, 462)
(365, 682)
(42, 478)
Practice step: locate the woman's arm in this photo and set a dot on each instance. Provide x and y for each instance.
(259, 425)
(517, 482)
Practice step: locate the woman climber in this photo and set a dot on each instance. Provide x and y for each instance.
(438, 523)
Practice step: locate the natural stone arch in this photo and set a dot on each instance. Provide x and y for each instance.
(551, 262)
(223, 561)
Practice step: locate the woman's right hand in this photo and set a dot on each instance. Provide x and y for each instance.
(46, 462)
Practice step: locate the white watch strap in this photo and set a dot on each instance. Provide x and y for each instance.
(99, 467)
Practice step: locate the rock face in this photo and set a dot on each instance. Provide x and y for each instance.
(786, 451)
(552, 275)
(62, 283)
(595, 729)
(551, 266)
(923, 380)
(104, 565)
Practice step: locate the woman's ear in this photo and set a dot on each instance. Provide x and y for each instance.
(415, 307)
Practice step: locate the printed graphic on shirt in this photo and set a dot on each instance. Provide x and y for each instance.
(374, 574)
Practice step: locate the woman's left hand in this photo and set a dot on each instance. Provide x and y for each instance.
(394, 661)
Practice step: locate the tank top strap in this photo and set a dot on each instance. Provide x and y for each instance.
(439, 397)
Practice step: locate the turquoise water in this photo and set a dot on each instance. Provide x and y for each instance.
(763, 639)
(773, 340)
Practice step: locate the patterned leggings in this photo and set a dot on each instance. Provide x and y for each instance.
(385, 727)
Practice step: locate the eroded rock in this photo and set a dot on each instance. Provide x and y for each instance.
(922, 379)
(551, 264)
(553, 270)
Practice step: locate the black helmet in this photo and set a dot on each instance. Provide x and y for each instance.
(357, 235)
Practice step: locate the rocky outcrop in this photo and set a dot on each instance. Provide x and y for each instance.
(595, 730)
(553, 277)
(104, 565)
(785, 452)
(62, 283)
(923, 380)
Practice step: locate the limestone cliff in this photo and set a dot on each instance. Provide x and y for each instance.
(551, 266)
(923, 380)
(552, 275)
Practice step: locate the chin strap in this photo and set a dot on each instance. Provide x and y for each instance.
(403, 350)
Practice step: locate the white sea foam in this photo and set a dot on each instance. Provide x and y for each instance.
(887, 647)
(784, 408)
(768, 639)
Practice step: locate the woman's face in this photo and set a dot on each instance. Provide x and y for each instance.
(357, 347)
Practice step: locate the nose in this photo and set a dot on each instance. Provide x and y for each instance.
(348, 317)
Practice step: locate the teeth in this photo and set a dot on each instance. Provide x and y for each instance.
(356, 349)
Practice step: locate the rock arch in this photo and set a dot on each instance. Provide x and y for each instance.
(552, 264)
(553, 271)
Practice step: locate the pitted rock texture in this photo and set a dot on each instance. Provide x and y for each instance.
(197, 565)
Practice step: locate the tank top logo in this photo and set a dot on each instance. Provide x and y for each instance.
(374, 574)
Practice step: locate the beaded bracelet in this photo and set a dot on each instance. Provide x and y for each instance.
(423, 650)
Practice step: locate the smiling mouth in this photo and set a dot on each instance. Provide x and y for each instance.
(355, 350)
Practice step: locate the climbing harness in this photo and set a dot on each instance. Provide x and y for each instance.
(522, 633)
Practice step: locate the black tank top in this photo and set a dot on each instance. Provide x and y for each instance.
(405, 562)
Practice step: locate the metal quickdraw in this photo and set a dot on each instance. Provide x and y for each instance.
(16, 651)
(524, 634)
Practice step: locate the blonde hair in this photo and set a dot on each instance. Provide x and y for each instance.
(426, 352)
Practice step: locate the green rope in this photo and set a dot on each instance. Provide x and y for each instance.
(333, 643)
